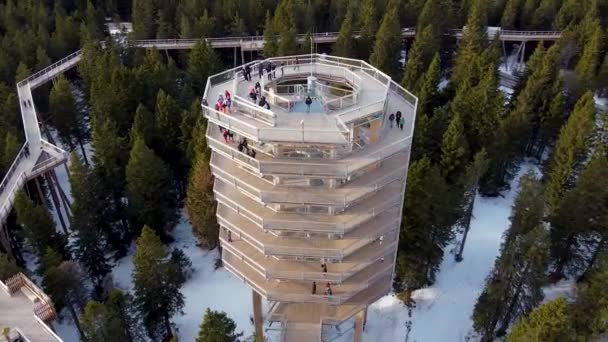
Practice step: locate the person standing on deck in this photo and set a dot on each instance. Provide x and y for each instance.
(314, 287)
(308, 102)
(274, 70)
(261, 70)
(258, 88)
(248, 72)
(269, 71)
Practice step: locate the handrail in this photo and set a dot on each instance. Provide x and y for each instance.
(256, 112)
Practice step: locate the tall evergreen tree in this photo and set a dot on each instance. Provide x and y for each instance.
(428, 90)
(166, 121)
(344, 45)
(202, 63)
(579, 234)
(589, 311)
(144, 15)
(143, 126)
(511, 14)
(388, 43)
(270, 37)
(420, 57)
(513, 288)
(548, 322)
(285, 25)
(156, 281)
(38, 227)
(469, 183)
(589, 63)
(112, 320)
(427, 229)
(201, 204)
(64, 284)
(472, 45)
(150, 191)
(570, 150)
(455, 150)
(218, 327)
(70, 124)
(367, 25)
(90, 223)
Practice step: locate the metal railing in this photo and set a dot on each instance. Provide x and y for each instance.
(48, 69)
(255, 112)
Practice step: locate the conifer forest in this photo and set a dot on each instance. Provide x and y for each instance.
(139, 161)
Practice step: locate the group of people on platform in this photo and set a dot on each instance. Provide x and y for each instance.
(224, 102)
(398, 119)
(328, 290)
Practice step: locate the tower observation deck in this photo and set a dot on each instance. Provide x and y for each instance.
(310, 196)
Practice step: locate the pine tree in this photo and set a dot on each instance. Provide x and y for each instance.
(367, 25)
(198, 142)
(166, 121)
(528, 207)
(388, 43)
(455, 150)
(427, 229)
(428, 134)
(548, 322)
(570, 150)
(570, 13)
(601, 81)
(64, 284)
(511, 14)
(469, 183)
(7, 268)
(202, 63)
(112, 320)
(513, 287)
(90, 223)
(150, 191)
(217, 327)
(270, 37)
(285, 25)
(472, 46)
(428, 90)
(344, 45)
(589, 311)
(144, 19)
(237, 26)
(201, 203)
(420, 58)
(10, 149)
(589, 63)
(544, 14)
(156, 282)
(579, 233)
(38, 227)
(190, 119)
(69, 123)
(143, 126)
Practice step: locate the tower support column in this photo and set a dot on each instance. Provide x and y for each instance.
(258, 320)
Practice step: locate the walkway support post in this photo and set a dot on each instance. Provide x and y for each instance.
(56, 203)
(258, 320)
(359, 324)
